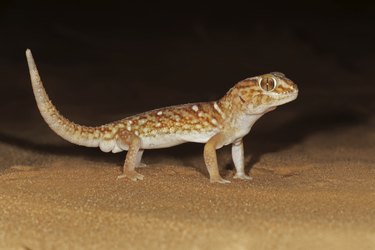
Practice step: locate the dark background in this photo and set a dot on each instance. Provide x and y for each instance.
(103, 60)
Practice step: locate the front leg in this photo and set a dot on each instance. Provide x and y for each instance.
(139, 163)
(238, 159)
(133, 156)
(211, 160)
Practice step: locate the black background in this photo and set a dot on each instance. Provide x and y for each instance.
(102, 60)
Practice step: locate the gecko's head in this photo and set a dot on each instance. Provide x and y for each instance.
(263, 93)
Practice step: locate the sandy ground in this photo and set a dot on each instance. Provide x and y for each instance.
(316, 194)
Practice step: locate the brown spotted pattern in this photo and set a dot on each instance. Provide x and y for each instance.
(195, 117)
(250, 92)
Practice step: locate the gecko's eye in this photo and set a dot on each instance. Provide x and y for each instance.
(267, 83)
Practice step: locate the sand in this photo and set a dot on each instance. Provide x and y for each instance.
(317, 194)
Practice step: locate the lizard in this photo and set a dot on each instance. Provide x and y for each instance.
(215, 123)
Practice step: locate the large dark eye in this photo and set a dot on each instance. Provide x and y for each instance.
(267, 83)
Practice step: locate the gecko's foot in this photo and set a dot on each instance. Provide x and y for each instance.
(242, 176)
(219, 180)
(142, 165)
(132, 175)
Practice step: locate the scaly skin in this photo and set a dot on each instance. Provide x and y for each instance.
(216, 124)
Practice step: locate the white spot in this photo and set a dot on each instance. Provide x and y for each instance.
(200, 114)
(160, 113)
(178, 118)
(129, 128)
(130, 122)
(195, 108)
(142, 121)
(218, 109)
(214, 121)
(158, 124)
(136, 133)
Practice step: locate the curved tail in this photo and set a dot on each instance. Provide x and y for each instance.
(74, 133)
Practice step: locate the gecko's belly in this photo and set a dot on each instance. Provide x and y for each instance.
(156, 141)
(168, 140)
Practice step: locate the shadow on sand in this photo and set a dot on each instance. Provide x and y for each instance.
(261, 140)
(302, 126)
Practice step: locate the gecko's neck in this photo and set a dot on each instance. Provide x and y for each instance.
(226, 105)
(230, 105)
(238, 115)
(234, 106)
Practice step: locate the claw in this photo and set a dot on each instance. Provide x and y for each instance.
(132, 175)
(242, 176)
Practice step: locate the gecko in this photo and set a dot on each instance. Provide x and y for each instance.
(215, 123)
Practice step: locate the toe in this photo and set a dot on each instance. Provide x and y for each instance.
(142, 165)
(134, 176)
(139, 176)
(219, 180)
(242, 177)
(121, 176)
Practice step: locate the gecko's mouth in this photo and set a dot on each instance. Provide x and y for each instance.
(288, 97)
(283, 96)
(291, 95)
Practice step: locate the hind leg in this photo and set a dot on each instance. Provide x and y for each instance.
(210, 158)
(133, 143)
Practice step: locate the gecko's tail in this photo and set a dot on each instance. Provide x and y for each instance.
(74, 133)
